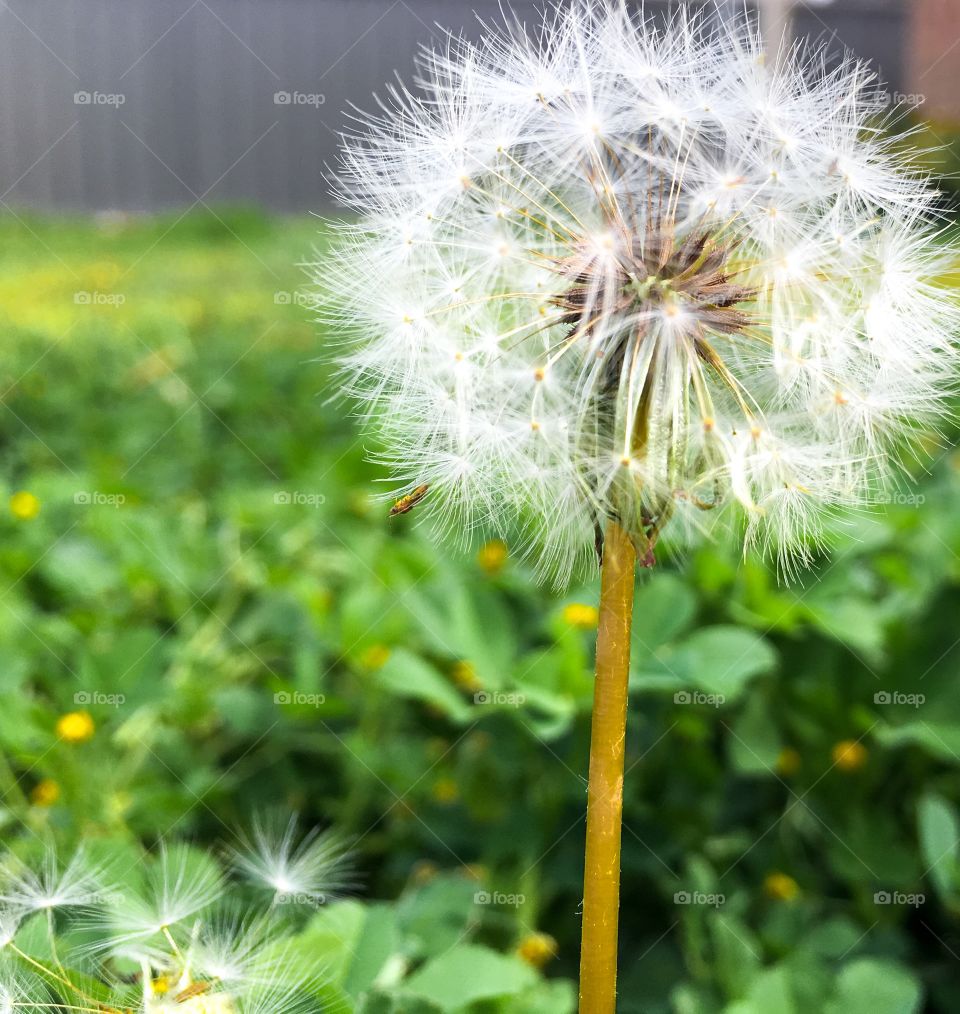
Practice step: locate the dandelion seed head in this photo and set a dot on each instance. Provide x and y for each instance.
(654, 278)
(9, 924)
(48, 885)
(177, 885)
(21, 990)
(306, 868)
(198, 944)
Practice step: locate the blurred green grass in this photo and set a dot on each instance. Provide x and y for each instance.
(210, 580)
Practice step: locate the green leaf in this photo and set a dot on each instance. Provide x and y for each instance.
(329, 941)
(467, 621)
(939, 832)
(875, 851)
(832, 938)
(722, 660)
(408, 675)
(131, 663)
(663, 607)
(468, 974)
(754, 741)
(385, 1003)
(548, 715)
(771, 993)
(241, 709)
(737, 955)
(857, 623)
(939, 739)
(434, 917)
(368, 615)
(690, 999)
(872, 986)
(379, 939)
(80, 567)
(555, 997)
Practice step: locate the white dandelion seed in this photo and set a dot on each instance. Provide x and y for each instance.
(178, 884)
(309, 869)
(199, 945)
(21, 991)
(278, 996)
(640, 274)
(10, 921)
(237, 950)
(51, 885)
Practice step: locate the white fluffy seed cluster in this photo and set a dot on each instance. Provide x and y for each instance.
(642, 272)
(175, 934)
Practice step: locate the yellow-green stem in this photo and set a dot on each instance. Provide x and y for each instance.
(601, 877)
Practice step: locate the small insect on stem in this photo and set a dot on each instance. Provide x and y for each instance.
(406, 503)
(195, 989)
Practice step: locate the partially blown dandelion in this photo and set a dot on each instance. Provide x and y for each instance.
(312, 868)
(640, 275)
(637, 279)
(174, 936)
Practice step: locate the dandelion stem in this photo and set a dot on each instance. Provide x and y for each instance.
(601, 888)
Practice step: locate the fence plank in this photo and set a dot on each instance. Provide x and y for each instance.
(183, 93)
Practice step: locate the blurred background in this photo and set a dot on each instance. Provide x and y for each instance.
(143, 105)
(205, 614)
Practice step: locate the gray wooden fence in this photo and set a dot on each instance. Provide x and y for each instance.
(146, 104)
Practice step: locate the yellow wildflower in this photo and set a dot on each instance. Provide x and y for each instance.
(465, 676)
(581, 616)
(75, 727)
(537, 949)
(424, 872)
(445, 791)
(781, 887)
(45, 793)
(160, 986)
(24, 505)
(492, 556)
(849, 755)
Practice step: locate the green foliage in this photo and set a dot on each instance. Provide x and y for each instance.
(211, 578)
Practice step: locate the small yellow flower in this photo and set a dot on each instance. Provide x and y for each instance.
(849, 755)
(375, 657)
(788, 761)
(45, 793)
(537, 949)
(160, 986)
(465, 676)
(781, 887)
(478, 741)
(75, 727)
(581, 616)
(445, 791)
(24, 505)
(493, 556)
(424, 872)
